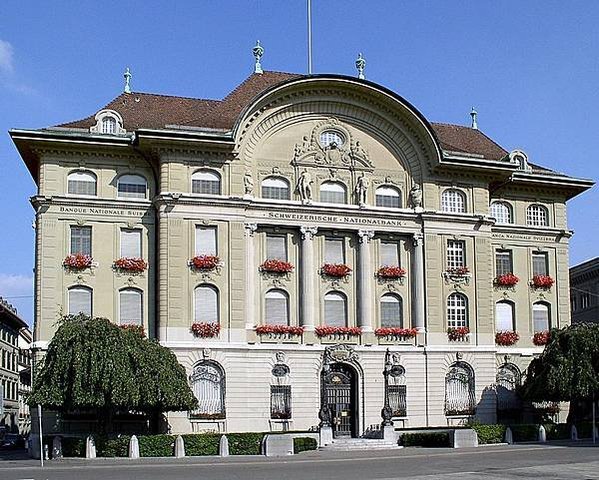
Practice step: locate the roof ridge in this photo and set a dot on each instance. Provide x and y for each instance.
(170, 96)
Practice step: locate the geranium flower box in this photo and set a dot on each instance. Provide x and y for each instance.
(455, 334)
(542, 281)
(276, 266)
(78, 261)
(205, 330)
(338, 270)
(458, 271)
(130, 264)
(506, 280)
(131, 327)
(324, 331)
(396, 332)
(205, 262)
(390, 272)
(279, 330)
(541, 338)
(506, 338)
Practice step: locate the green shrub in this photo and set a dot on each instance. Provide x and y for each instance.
(428, 439)
(201, 444)
(113, 447)
(72, 447)
(489, 433)
(245, 443)
(557, 431)
(303, 444)
(156, 445)
(584, 429)
(526, 432)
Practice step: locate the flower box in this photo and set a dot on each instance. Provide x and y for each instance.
(77, 261)
(276, 266)
(131, 327)
(205, 262)
(401, 333)
(542, 281)
(338, 270)
(278, 330)
(389, 272)
(130, 264)
(458, 271)
(325, 331)
(205, 330)
(506, 338)
(506, 280)
(541, 338)
(457, 333)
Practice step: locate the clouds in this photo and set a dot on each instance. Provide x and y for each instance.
(10, 78)
(6, 57)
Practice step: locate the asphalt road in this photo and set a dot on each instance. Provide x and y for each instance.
(547, 462)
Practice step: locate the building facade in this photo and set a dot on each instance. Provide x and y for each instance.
(24, 365)
(584, 291)
(310, 247)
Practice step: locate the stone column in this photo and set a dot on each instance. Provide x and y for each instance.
(418, 292)
(250, 276)
(308, 277)
(365, 280)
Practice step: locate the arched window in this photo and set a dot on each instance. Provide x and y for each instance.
(80, 301)
(388, 197)
(333, 192)
(537, 216)
(541, 317)
(130, 307)
(459, 390)
(208, 385)
(131, 186)
(276, 307)
(82, 183)
(109, 125)
(453, 201)
(391, 311)
(457, 310)
(502, 212)
(331, 136)
(206, 304)
(206, 182)
(507, 381)
(335, 309)
(275, 188)
(504, 316)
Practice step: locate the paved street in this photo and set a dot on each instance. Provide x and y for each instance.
(493, 463)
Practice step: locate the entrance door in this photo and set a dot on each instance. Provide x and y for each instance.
(339, 386)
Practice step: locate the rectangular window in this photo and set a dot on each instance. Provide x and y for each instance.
(130, 307)
(503, 262)
(205, 240)
(280, 401)
(539, 264)
(540, 318)
(397, 400)
(130, 243)
(276, 247)
(81, 240)
(585, 300)
(389, 253)
(334, 250)
(455, 254)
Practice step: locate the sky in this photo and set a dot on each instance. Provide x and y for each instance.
(530, 68)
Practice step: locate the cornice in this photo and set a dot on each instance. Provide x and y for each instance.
(59, 200)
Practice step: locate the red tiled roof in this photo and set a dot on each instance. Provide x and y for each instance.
(457, 138)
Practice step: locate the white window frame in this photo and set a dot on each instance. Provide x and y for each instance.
(537, 215)
(79, 178)
(80, 228)
(456, 253)
(199, 249)
(457, 310)
(502, 212)
(388, 197)
(453, 201)
(505, 254)
(541, 307)
(208, 182)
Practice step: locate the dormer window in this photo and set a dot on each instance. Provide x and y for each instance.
(109, 125)
(108, 122)
(520, 158)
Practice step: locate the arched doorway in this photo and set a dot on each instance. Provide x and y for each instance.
(340, 398)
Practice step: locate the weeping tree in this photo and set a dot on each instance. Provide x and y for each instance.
(94, 365)
(568, 368)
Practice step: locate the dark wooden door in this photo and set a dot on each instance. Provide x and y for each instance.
(339, 394)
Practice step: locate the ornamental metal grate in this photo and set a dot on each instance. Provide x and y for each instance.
(397, 400)
(507, 381)
(280, 402)
(208, 385)
(459, 390)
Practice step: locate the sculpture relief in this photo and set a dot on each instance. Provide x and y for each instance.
(304, 187)
(416, 196)
(362, 189)
(248, 183)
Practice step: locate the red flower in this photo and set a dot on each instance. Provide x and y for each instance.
(130, 264)
(396, 332)
(77, 261)
(278, 329)
(541, 338)
(336, 270)
(131, 327)
(506, 280)
(506, 338)
(457, 333)
(460, 271)
(205, 262)
(542, 281)
(390, 272)
(276, 266)
(325, 331)
(205, 330)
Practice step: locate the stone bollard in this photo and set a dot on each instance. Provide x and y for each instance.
(573, 433)
(46, 452)
(223, 446)
(90, 447)
(179, 447)
(596, 431)
(57, 447)
(133, 447)
(509, 438)
(325, 436)
(542, 436)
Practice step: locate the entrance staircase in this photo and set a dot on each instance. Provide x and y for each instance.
(348, 444)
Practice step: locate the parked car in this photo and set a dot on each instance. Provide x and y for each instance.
(12, 441)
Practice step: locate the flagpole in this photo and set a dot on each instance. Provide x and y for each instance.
(309, 37)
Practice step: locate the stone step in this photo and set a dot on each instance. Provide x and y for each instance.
(360, 444)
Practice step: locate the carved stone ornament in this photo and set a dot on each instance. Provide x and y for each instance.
(340, 353)
(250, 229)
(280, 370)
(248, 183)
(280, 356)
(308, 233)
(206, 353)
(459, 355)
(416, 196)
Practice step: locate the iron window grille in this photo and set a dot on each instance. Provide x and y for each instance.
(280, 402)
(459, 390)
(397, 400)
(208, 385)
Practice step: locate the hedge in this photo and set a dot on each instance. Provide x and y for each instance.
(245, 443)
(303, 444)
(429, 439)
(557, 431)
(112, 447)
(488, 434)
(200, 445)
(156, 445)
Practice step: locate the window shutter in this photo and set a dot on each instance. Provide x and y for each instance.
(205, 241)
(389, 253)
(276, 247)
(130, 307)
(504, 317)
(80, 301)
(131, 243)
(334, 251)
(335, 310)
(206, 305)
(276, 309)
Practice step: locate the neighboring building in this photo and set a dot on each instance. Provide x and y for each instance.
(10, 328)
(24, 362)
(319, 173)
(584, 291)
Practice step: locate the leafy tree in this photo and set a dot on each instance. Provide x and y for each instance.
(93, 364)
